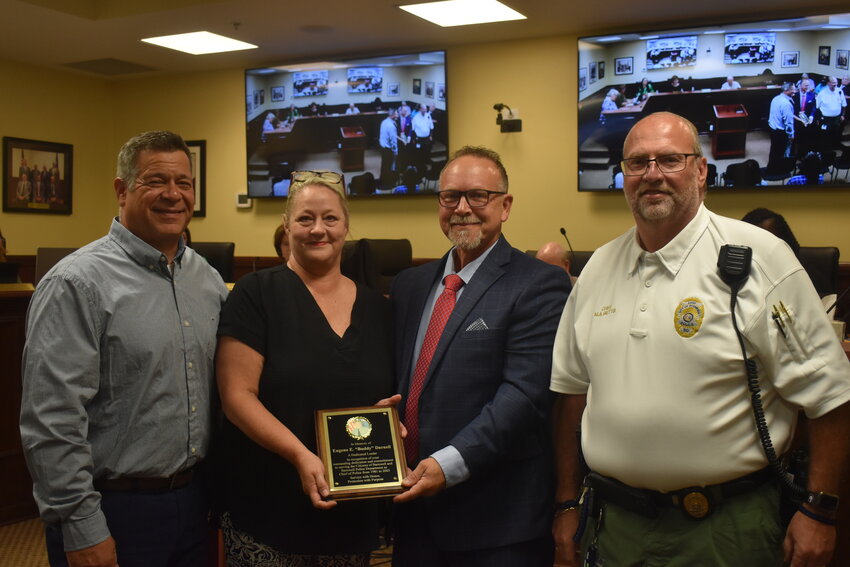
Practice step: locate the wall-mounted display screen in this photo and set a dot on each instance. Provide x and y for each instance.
(749, 48)
(669, 52)
(768, 99)
(369, 118)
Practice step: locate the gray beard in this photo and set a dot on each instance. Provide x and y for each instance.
(464, 241)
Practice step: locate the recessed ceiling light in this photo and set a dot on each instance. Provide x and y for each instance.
(609, 38)
(199, 43)
(449, 13)
(714, 32)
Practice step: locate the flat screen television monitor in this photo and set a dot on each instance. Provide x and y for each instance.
(724, 78)
(381, 121)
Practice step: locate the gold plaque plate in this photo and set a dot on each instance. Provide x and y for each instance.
(362, 451)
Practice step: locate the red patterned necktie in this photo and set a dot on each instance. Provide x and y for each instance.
(442, 310)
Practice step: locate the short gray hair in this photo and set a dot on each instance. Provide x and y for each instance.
(156, 140)
(484, 153)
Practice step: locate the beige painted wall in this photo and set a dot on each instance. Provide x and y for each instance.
(534, 76)
(45, 105)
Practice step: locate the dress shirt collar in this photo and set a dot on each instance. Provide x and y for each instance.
(140, 251)
(467, 271)
(674, 254)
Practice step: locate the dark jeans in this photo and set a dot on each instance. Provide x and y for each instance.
(778, 146)
(151, 529)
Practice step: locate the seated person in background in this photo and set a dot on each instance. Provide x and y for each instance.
(281, 242)
(621, 96)
(270, 122)
(675, 85)
(645, 88)
(352, 109)
(294, 114)
(730, 84)
(609, 103)
(775, 223)
(313, 110)
(555, 254)
(810, 171)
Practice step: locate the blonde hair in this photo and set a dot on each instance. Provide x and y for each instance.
(296, 188)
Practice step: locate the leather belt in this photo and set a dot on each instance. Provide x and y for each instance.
(697, 501)
(141, 484)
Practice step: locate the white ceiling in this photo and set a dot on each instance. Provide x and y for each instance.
(56, 33)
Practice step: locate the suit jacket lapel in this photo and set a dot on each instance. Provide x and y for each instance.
(488, 272)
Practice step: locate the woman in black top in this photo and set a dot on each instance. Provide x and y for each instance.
(294, 339)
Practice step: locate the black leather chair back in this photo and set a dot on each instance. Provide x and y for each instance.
(219, 255)
(821, 263)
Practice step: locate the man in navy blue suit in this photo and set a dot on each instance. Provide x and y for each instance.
(804, 115)
(475, 398)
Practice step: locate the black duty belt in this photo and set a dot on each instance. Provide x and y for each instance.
(141, 484)
(697, 502)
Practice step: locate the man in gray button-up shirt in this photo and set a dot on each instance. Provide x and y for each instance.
(118, 374)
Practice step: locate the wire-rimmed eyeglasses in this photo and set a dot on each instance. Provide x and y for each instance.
(475, 197)
(670, 163)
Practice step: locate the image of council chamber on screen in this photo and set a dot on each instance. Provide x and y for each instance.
(770, 99)
(381, 121)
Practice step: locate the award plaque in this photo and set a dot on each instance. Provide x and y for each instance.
(362, 451)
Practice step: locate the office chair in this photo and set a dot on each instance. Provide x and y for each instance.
(219, 255)
(391, 257)
(821, 263)
(46, 258)
(743, 174)
(363, 184)
(780, 171)
(711, 178)
(842, 162)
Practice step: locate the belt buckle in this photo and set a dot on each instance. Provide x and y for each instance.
(696, 503)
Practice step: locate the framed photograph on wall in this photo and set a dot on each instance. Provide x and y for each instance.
(278, 94)
(417, 86)
(198, 152)
(841, 58)
(790, 58)
(624, 65)
(392, 89)
(592, 71)
(582, 78)
(37, 176)
(429, 89)
(824, 52)
(441, 91)
(601, 67)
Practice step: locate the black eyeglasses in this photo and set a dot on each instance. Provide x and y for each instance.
(475, 197)
(331, 177)
(670, 163)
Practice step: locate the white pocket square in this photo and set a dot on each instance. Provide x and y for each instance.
(478, 325)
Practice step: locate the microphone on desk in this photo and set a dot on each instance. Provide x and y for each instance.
(570, 246)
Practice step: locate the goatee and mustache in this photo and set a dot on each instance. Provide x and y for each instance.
(463, 238)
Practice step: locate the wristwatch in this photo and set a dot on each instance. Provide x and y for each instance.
(823, 500)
